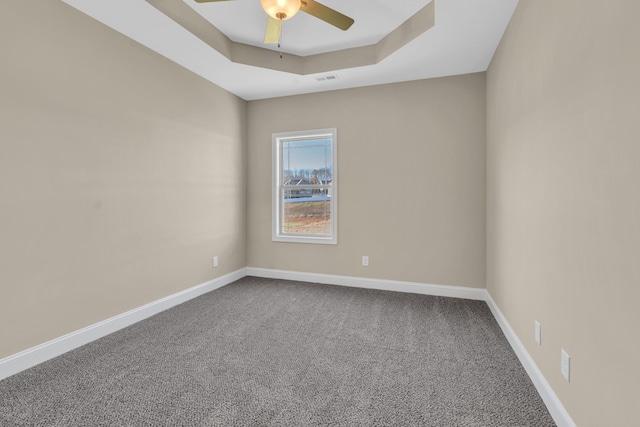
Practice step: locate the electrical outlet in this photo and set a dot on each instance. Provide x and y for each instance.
(215, 261)
(564, 364)
(365, 261)
(537, 332)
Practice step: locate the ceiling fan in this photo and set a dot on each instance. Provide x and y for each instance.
(281, 10)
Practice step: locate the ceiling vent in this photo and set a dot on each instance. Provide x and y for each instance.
(327, 77)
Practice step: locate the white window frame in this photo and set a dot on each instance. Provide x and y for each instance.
(277, 201)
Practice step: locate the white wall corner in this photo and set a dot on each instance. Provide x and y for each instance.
(551, 400)
(33, 356)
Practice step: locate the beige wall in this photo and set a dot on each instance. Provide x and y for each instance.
(121, 175)
(563, 229)
(411, 161)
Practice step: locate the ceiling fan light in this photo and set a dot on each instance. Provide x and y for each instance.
(281, 9)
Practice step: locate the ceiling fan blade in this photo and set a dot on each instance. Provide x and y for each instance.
(208, 1)
(274, 27)
(327, 14)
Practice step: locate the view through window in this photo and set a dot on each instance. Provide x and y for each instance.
(304, 186)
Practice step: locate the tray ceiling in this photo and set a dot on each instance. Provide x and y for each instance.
(222, 41)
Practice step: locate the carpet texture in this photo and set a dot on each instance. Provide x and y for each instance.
(263, 352)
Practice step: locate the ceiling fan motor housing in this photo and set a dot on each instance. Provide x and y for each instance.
(281, 9)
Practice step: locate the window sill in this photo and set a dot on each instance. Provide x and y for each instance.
(306, 239)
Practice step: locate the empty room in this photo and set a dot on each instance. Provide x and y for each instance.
(336, 212)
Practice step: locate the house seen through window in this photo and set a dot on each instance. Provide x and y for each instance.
(304, 186)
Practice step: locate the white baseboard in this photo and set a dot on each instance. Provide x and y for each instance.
(18, 362)
(25, 359)
(555, 407)
(361, 282)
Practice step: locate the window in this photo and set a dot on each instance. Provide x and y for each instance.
(304, 187)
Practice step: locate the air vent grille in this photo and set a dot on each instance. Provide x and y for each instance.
(327, 77)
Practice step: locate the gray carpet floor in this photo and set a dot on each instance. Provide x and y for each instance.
(262, 352)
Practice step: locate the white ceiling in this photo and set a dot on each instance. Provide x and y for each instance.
(463, 40)
(244, 21)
